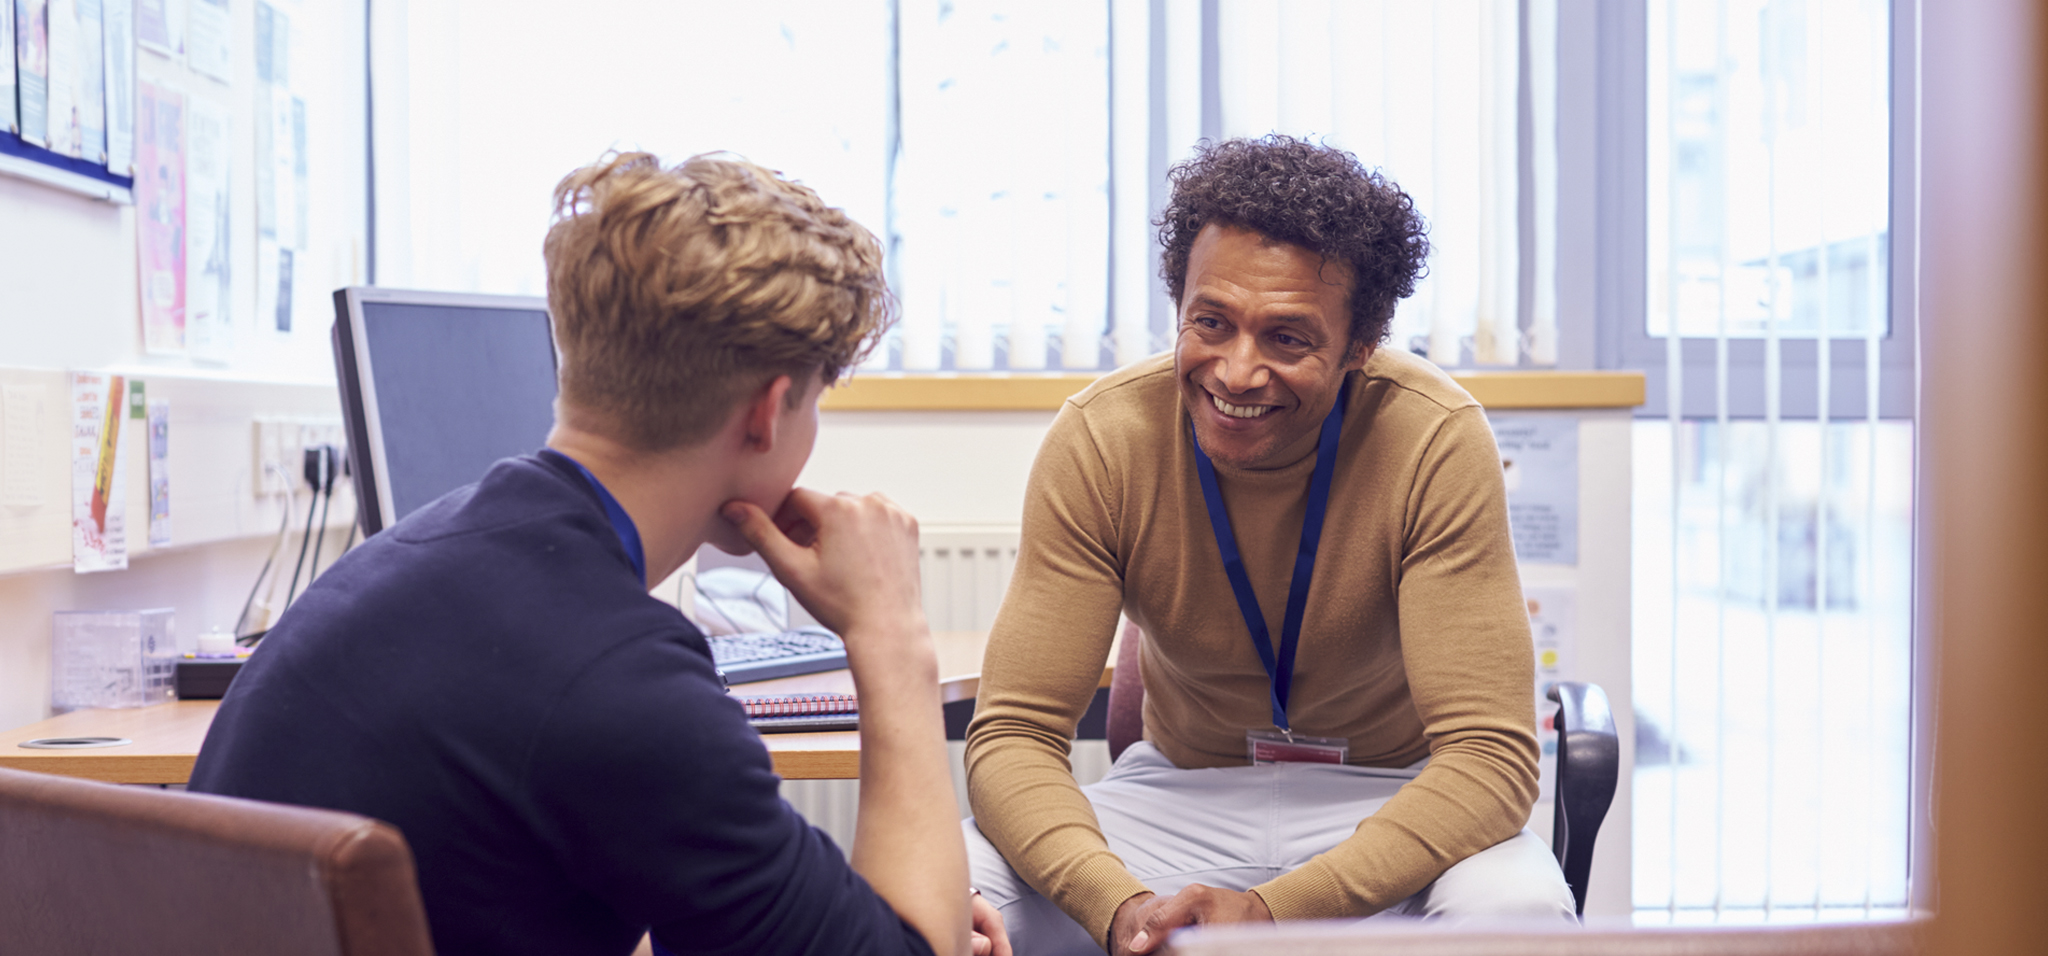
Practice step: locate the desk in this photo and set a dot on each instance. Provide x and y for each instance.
(166, 737)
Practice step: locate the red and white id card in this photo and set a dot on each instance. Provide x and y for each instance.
(1279, 746)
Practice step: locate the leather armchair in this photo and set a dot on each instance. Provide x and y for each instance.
(98, 868)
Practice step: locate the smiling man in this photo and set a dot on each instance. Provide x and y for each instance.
(1312, 533)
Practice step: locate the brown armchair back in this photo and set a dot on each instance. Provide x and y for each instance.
(97, 868)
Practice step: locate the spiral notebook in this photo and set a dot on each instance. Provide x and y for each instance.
(802, 713)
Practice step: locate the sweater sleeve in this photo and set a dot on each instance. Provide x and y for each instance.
(1466, 650)
(1044, 660)
(660, 801)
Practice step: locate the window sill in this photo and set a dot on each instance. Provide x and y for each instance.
(1012, 392)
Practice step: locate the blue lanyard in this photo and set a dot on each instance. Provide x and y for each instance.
(622, 523)
(1281, 671)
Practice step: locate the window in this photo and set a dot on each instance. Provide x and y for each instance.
(1773, 483)
(481, 107)
(1011, 155)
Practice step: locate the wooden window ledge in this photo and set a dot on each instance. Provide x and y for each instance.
(1023, 392)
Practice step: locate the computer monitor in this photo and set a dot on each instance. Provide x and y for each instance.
(435, 387)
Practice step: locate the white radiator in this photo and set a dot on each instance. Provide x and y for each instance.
(966, 570)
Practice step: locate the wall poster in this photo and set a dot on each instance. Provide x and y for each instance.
(1539, 457)
(99, 501)
(160, 218)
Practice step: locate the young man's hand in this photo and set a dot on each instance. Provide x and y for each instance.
(1151, 917)
(850, 559)
(988, 938)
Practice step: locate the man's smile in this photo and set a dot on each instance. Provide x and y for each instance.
(1240, 411)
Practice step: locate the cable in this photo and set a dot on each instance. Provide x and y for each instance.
(304, 539)
(284, 523)
(326, 500)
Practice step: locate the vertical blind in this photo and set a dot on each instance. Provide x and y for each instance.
(1012, 154)
(1001, 188)
(1773, 575)
(1027, 182)
(1426, 92)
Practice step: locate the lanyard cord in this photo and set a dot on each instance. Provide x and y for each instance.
(1280, 669)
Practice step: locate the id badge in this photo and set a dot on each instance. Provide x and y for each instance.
(1279, 746)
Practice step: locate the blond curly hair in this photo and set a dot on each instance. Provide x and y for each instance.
(676, 292)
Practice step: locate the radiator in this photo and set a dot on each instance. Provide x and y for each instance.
(965, 571)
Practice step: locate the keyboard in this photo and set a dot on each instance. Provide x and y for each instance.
(764, 656)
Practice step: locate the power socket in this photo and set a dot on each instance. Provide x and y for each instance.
(278, 451)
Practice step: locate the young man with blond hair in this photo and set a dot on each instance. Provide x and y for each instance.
(491, 676)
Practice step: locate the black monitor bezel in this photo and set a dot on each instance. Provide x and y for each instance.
(356, 378)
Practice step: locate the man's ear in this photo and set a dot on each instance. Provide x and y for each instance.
(1356, 355)
(763, 413)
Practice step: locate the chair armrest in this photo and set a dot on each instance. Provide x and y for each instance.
(1588, 769)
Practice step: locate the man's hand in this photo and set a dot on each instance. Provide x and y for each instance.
(1157, 916)
(989, 938)
(1124, 924)
(851, 559)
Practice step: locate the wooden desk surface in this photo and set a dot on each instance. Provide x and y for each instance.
(166, 737)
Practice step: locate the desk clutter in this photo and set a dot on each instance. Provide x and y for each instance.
(112, 658)
(802, 713)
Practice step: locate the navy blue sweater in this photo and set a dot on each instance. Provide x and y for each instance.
(489, 677)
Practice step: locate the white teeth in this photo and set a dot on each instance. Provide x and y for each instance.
(1240, 411)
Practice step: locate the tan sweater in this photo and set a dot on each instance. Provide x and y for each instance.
(1415, 641)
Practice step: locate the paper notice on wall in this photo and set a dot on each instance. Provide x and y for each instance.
(92, 81)
(160, 26)
(281, 198)
(99, 535)
(208, 39)
(62, 24)
(32, 68)
(10, 121)
(1553, 628)
(1539, 457)
(21, 446)
(283, 184)
(159, 473)
(118, 26)
(209, 257)
(160, 218)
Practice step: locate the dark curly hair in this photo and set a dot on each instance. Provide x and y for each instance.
(1316, 197)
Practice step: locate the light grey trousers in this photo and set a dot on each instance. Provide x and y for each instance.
(1237, 827)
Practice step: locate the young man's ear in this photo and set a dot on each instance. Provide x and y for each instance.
(763, 412)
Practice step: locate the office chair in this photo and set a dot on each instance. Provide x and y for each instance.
(98, 868)
(1588, 757)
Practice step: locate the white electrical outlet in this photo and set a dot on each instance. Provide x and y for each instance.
(278, 451)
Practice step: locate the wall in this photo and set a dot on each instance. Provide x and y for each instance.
(69, 274)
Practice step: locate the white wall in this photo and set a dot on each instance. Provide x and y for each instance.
(68, 300)
(950, 469)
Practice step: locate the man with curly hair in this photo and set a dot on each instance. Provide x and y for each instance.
(1311, 533)
(491, 676)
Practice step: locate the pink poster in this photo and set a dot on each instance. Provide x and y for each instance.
(160, 216)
